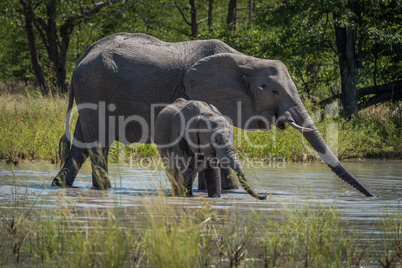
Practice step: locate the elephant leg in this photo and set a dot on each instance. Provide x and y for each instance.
(175, 178)
(74, 161)
(228, 179)
(213, 180)
(201, 181)
(181, 182)
(188, 173)
(180, 171)
(100, 177)
(188, 184)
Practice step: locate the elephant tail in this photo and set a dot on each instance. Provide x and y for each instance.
(65, 140)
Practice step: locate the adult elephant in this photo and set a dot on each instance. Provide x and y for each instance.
(121, 79)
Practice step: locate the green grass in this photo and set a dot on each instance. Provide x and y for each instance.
(165, 233)
(31, 126)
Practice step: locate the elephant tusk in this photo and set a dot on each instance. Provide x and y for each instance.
(296, 126)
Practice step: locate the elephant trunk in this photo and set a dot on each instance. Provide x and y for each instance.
(235, 165)
(300, 115)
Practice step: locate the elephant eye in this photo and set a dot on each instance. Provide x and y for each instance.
(275, 91)
(263, 86)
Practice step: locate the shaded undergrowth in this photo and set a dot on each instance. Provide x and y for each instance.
(164, 232)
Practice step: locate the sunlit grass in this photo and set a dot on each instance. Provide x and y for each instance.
(31, 126)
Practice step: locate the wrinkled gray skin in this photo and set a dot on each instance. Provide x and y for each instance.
(134, 71)
(192, 136)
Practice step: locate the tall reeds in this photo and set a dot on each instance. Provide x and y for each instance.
(166, 232)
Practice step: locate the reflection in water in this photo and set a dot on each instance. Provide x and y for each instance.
(291, 184)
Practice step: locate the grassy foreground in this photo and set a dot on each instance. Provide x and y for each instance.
(31, 126)
(162, 233)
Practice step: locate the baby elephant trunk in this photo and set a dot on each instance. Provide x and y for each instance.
(234, 163)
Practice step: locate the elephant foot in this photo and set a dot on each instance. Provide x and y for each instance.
(185, 193)
(213, 180)
(182, 194)
(100, 177)
(101, 184)
(181, 191)
(59, 183)
(228, 180)
(201, 181)
(189, 192)
(60, 180)
(214, 195)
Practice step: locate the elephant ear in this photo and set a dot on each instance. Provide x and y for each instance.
(220, 80)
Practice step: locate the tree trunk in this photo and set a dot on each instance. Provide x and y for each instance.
(348, 58)
(345, 42)
(231, 19)
(194, 22)
(52, 46)
(387, 92)
(56, 45)
(29, 19)
(250, 11)
(210, 8)
(61, 68)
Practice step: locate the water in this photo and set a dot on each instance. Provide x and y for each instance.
(287, 184)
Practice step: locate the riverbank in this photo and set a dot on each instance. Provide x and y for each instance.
(31, 126)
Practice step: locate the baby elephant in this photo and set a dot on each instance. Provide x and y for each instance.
(193, 136)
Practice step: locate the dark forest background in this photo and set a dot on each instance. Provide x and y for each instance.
(348, 50)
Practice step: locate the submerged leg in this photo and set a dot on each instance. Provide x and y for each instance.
(187, 172)
(228, 179)
(213, 180)
(74, 161)
(201, 181)
(181, 174)
(99, 162)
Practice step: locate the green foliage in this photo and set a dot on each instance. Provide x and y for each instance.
(300, 33)
(305, 33)
(15, 63)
